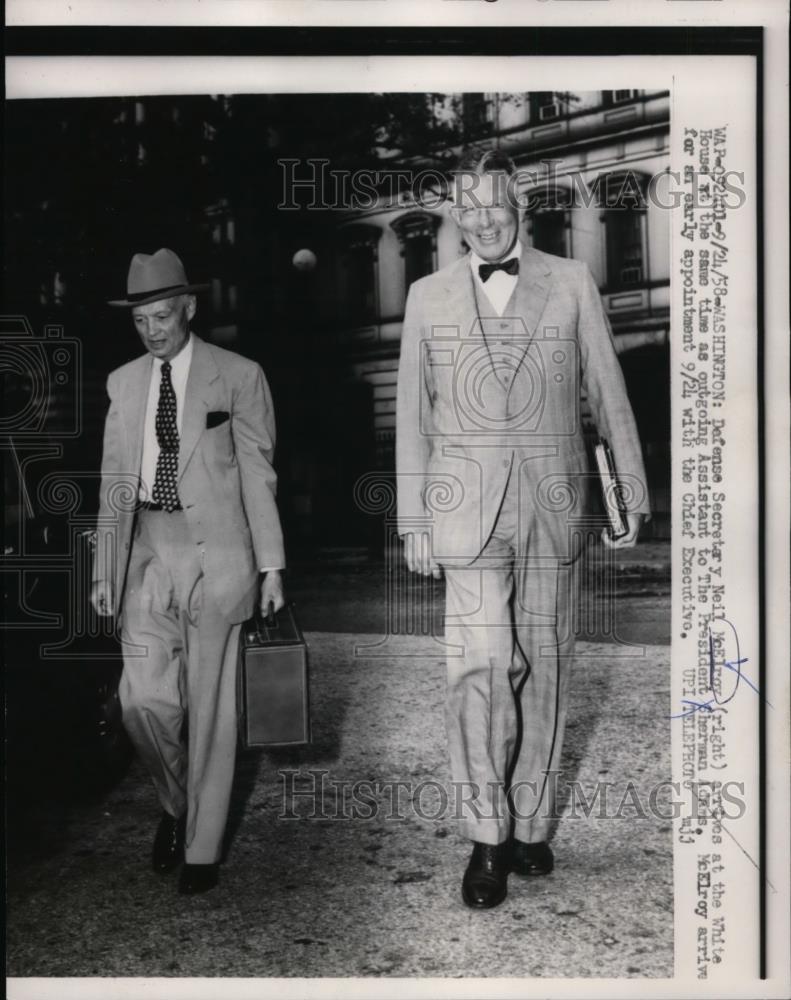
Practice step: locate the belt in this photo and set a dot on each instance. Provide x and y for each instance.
(147, 505)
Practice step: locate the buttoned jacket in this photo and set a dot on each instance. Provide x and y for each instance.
(226, 482)
(482, 398)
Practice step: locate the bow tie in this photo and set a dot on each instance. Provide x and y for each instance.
(510, 266)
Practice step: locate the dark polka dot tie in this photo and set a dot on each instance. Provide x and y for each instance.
(165, 492)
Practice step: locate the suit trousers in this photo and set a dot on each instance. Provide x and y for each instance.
(180, 660)
(509, 630)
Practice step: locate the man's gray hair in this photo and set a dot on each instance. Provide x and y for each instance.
(484, 161)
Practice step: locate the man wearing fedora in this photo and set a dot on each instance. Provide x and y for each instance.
(188, 542)
(496, 351)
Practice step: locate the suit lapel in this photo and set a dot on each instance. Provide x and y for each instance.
(530, 296)
(135, 401)
(459, 304)
(197, 400)
(528, 300)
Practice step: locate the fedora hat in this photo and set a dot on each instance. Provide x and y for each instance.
(156, 276)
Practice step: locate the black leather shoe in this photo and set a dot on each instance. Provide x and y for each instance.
(168, 843)
(485, 881)
(197, 878)
(532, 859)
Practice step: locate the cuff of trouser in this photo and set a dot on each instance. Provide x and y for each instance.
(532, 834)
(486, 831)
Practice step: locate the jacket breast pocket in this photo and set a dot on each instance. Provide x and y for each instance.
(218, 439)
(216, 418)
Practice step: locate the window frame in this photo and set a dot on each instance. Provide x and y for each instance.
(551, 198)
(411, 225)
(610, 210)
(355, 238)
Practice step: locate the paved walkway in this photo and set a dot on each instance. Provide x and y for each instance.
(650, 559)
(374, 895)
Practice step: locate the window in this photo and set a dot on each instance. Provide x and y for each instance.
(549, 218)
(358, 273)
(417, 234)
(543, 107)
(475, 113)
(418, 259)
(611, 97)
(549, 231)
(220, 223)
(622, 196)
(361, 276)
(624, 247)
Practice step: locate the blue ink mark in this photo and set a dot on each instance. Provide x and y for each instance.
(735, 666)
(697, 706)
(746, 680)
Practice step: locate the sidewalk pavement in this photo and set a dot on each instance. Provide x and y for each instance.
(377, 895)
(647, 560)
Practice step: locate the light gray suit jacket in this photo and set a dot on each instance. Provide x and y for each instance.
(480, 395)
(226, 482)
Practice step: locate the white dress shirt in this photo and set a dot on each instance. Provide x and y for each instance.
(500, 286)
(179, 373)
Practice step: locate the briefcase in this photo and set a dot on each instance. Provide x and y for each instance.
(272, 693)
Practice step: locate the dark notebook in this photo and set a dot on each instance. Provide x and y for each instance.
(612, 491)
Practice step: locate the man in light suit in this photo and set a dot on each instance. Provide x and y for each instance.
(187, 522)
(492, 477)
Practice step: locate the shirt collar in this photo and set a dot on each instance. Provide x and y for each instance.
(181, 363)
(475, 260)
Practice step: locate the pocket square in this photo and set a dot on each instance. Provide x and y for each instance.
(216, 417)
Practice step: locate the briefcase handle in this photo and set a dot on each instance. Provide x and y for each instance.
(260, 625)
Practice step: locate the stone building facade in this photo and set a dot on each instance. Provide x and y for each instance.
(594, 168)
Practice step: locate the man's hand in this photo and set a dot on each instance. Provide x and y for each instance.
(417, 552)
(272, 592)
(102, 598)
(629, 540)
